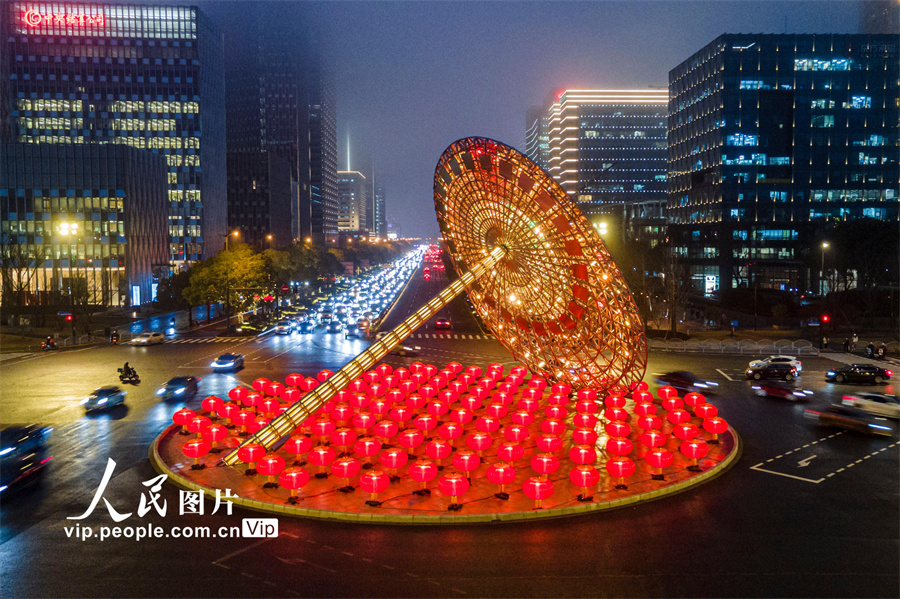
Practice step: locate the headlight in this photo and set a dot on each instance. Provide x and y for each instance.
(161, 391)
(7, 450)
(85, 400)
(179, 391)
(102, 401)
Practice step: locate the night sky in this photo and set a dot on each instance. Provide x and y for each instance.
(412, 77)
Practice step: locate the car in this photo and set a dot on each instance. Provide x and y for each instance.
(362, 323)
(228, 362)
(180, 387)
(442, 324)
(881, 404)
(148, 339)
(686, 382)
(23, 456)
(284, 327)
(852, 419)
(858, 373)
(792, 360)
(353, 332)
(407, 351)
(781, 391)
(335, 327)
(777, 370)
(307, 327)
(324, 316)
(104, 398)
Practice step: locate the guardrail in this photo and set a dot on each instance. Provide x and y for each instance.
(800, 347)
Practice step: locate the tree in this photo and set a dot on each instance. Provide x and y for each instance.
(170, 293)
(202, 287)
(18, 272)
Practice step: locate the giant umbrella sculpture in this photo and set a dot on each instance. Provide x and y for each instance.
(535, 270)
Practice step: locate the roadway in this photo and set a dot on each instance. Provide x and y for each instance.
(806, 511)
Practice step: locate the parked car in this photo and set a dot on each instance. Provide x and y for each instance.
(776, 370)
(23, 456)
(781, 391)
(104, 398)
(442, 324)
(180, 387)
(858, 373)
(792, 360)
(881, 404)
(851, 419)
(228, 362)
(148, 339)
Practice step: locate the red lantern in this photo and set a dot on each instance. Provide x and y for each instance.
(402, 373)
(479, 442)
(252, 399)
(390, 381)
(182, 417)
(522, 418)
(497, 411)
(470, 402)
(367, 447)
(384, 370)
(544, 464)
(323, 375)
(364, 420)
(386, 429)
(552, 426)
(474, 371)
(617, 428)
(614, 401)
(290, 395)
(616, 414)
(410, 439)
(706, 410)
(293, 379)
(510, 452)
(583, 454)
(268, 407)
(694, 399)
(549, 443)
(528, 405)
(270, 465)
(466, 461)
(645, 408)
(228, 412)
(250, 453)
(414, 401)
(343, 438)
(400, 414)
(293, 479)
(652, 438)
(321, 456)
(196, 448)
(309, 384)
(639, 386)
(461, 416)
(488, 424)
(371, 377)
(448, 396)
(376, 390)
(538, 489)
(586, 395)
(323, 428)
(342, 413)
(584, 477)
(211, 404)
(259, 384)
(678, 416)
(557, 412)
(257, 424)
(715, 426)
(487, 382)
(425, 422)
(214, 433)
(428, 391)
(619, 446)
(297, 446)
(374, 482)
(694, 449)
(620, 468)
(558, 399)
(501, 474)
(586, 406)
(423, 471)
(453, 485)
(438, 408)
(649, 422)
(515, 433)
(659, 458)
(345, 469)
(584, 436)
(686, 431)
(243, 420)
(561, 389)
(666, 392)
(198, 423)
(450, 431)
(407, 387)
(237, 394)
(394, 458)
(538, 383)
(275, 389)
(380, 407)
(503, 397)
(437, 450)
(642, 396)
(673, 403)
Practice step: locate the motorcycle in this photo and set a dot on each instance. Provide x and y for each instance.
(48, 345)
(129, 378)
(114, 340)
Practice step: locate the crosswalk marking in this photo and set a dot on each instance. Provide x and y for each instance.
(208, 340)
(452, 336)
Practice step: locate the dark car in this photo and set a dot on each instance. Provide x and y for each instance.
(686, 382)
(104, 398)
(772, 370)
(407, 351)
(181, 387)
(307, 327)
(335, 326)
(852, 419)
(442, 324)
(858, 373)
(23, 456)
(781, 391)
(228, 362)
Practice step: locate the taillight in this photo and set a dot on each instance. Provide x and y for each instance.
(888, 372)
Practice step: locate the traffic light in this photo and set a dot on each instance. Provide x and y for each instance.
(825, 318)
(68, 318)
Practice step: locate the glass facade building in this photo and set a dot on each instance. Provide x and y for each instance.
(353, 201)
(380, 212)
(772, 138)
(87, 221)
(149, 77)
(323, 169)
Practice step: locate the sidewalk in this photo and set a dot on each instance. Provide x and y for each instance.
(849, 358)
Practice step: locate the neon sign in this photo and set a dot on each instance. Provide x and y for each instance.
(33, 18)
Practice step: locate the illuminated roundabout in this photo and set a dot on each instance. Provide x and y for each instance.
(572, 430)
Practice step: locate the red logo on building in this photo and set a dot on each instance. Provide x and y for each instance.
(33, 18)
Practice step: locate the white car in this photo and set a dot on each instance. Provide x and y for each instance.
(793, 361)
(148, 339)
(881, 404)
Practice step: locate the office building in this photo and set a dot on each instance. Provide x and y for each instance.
(353, 201)
(323, 195)
(379, 214)
(150, 77)
(537, 136)
(607, 149)
(83, 223)
(772, 139)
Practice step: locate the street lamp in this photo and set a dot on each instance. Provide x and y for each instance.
(234, 233)
(67, 229)
(822, 275)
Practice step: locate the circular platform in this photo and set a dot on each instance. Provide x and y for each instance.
(531, 435)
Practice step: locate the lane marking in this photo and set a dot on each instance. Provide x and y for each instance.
(719, 370)
(808, 480)
(240, 551)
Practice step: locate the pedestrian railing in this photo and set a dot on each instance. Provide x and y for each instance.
(800, 347)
